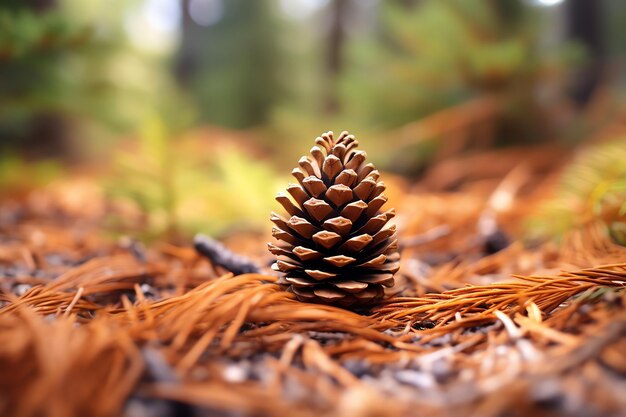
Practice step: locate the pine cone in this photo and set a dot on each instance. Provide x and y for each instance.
(337, 247)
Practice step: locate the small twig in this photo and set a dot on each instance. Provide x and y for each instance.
(421, 239)
(591, 348)
(224, 257)
(157, 368)
(501, 200)
(29, 259)
(69, 308)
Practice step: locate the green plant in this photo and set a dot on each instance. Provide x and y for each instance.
(71, 64)
(187, 184)
(17, 174)
(591, 188)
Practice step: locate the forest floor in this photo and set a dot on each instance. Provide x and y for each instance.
(480, 322)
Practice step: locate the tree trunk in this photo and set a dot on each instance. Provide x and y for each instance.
(585, 23)
(334, 53)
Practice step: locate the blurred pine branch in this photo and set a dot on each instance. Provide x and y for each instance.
(437, 55)
(62, 74)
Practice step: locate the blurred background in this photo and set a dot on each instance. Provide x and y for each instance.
(187, 115)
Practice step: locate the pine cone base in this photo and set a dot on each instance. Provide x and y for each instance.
(336, 247)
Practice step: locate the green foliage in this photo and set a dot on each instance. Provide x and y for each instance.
(17, 175)
(32, 80)
(25, 34)
(441, 53)
(188, 185)
(593, 187)
(73, 63)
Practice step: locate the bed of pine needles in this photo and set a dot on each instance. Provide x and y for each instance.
(92, 325)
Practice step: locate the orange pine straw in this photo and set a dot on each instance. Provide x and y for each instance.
(97, 340)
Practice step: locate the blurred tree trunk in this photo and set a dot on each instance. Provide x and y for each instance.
(48, 136)
(41, 5)
(34, 5)
(339, 10)
(585, 24)
(408, 4)
(185, 64)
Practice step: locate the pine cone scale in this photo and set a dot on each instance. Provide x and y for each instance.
(337, 247)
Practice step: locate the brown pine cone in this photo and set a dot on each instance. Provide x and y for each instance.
(336, 247)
